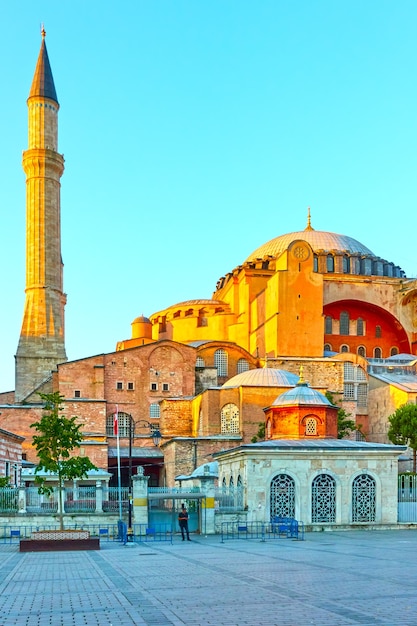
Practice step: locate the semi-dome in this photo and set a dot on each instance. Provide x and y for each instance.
(319, 241)
(301, 394)
(263, 377)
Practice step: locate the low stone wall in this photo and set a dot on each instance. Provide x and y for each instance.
(29, 524)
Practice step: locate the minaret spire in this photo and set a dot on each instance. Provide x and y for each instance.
(42, 341)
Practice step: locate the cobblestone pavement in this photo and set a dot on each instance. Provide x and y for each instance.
(365, 578)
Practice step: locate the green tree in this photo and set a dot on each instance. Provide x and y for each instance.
(345, 426)
(58, 437)
(403, 428)
(260, 434)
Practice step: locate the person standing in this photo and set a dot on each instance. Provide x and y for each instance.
(183, 522)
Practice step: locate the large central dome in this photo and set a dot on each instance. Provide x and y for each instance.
(318, 240)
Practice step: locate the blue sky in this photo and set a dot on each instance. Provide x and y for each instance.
(194, 131)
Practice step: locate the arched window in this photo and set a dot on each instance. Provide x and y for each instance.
(315, 263)
(362, 351)
(230, 423)
(221, 362)
(199, 362)
(282, 496)
(239, 493)
(363, 499)
(231, 483)
(330, 263)
(242, 366)
(377, 353)
(344, 323)
(344, 348)
(328, 325)
(123, 421)
(311, 427)
(346, 264)
(327, 347)
(323, 499)
(393, 351)
(378, 331)
(359, 327)
(154, 410)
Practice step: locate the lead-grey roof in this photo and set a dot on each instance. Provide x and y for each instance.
(263, 377)
(43, 82)
(301, 394)
(318, 240)
(315, 444)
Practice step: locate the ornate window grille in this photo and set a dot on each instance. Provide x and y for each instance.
(311, 427)
(363, 499)
(323, 499)
(282, 494)
(229, 418)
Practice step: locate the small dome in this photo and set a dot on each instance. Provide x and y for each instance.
(301, 394)
(263, 377)
(141, 320)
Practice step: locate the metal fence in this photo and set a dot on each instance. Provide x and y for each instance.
(9, 497)
(263, 531)
(81, 499)
(229, 499)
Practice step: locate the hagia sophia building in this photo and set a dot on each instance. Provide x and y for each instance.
(205, 372)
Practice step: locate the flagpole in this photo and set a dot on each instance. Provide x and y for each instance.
(119, 477)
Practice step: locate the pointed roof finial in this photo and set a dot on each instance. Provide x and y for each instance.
(309, 226)
(301, 381)
(43, 82)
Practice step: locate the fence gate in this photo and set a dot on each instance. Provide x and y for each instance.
(163, 508)
(407, 498)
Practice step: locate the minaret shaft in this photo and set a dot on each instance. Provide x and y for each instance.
(42, 338)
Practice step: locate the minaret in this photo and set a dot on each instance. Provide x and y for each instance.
(42, 338)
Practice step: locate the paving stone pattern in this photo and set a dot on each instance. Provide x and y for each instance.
(366, 578)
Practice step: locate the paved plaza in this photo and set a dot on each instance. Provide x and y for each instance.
(365, 578)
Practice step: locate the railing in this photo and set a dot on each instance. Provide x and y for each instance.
(144, 532)
(229, 499)
(173, 490)
(285, 527)
(111, 503)
(81, 499)
(9, 499)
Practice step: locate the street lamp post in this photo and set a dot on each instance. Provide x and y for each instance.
(156, 438)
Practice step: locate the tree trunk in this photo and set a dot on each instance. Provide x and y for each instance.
(61, 504)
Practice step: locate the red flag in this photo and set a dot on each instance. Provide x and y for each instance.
(116, 423)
